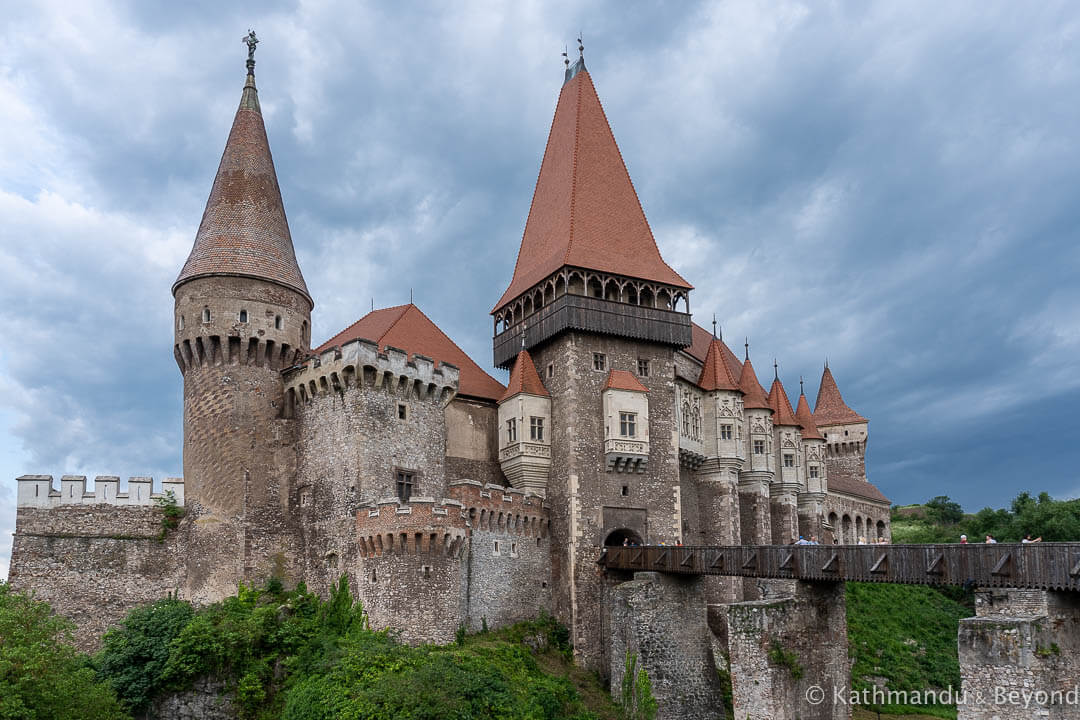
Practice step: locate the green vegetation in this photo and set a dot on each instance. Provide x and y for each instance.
(171, 512)
(637, 699)
(942, 520)
(289, 654)
(785, 658)
(42, 677)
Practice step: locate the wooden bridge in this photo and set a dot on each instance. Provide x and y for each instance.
(1038, 566)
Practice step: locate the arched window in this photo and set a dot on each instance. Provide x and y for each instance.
(278, 323)
(180, 322)
(696, 429)
(206, 314)
(243, 316)
(304, 331)
(686, 419)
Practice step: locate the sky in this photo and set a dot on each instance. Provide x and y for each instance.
(891, 186)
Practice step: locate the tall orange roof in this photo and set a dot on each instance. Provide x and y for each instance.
(753, 394)
(805, 419)
(830, 408)
(624, 380)
(701, 339)
(585, 212)
(524, 378)
(244, 230)
(407, 328)
(781, 406)
(715, 372)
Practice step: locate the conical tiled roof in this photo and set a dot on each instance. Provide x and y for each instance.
(699, 349)
(805, 418)
(715, 372)
(624, 380)
(830, 408)
(524, 378)
(407, 328)
(585, 212)
(244, 230)
(781, 406)
(754, 395)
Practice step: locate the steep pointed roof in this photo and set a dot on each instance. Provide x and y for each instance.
(830, 408)
(624, 380)
(699, 349)
(754, 395)
(715, 372)
(244, 230)
(585, 211)
(406, 327)
(781, 406)
(805, 418)
(524, 378)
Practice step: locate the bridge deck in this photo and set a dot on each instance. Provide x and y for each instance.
(1041, 566)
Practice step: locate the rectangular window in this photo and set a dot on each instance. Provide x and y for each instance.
(599, 361)
(643, 368)
(813, 471)
(725, 432)
(511, 430)
(405, 485)
(759, 447)
(551, 370)
(628, 424)
(789, 460)
(402, 411)
(536, 429)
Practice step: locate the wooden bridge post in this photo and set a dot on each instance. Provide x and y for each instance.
(1020, 656)
(789, 655)
(660, 620)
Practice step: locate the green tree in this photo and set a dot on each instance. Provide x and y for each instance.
(944, 510)
(42, 676)
(637, 699)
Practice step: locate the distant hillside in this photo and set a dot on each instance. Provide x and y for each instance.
(941, 520)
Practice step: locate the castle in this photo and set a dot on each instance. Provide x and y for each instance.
(386, 454)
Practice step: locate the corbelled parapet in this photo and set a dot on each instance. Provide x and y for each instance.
(360, 364)
(37, 491)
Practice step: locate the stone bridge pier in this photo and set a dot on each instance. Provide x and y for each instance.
(1020, 656)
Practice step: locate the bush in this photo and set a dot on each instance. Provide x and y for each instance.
(42, 676)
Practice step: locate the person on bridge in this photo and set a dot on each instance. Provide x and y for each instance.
(1027, 539)
(963, 540)
(990, 540)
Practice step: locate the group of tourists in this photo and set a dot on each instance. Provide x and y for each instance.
(991, 541)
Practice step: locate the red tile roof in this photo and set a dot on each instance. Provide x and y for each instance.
(244, 230)
(858, 488)
(753, 393)
(715, 373)
(624, 380)
(781, 406)
(699, 349)
(805, 419)
(407, 328)
(830, 408)
(524, 378)
(585, 212)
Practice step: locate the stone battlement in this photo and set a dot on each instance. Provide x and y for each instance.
(37, 491)
(359, 363)
(204, 351)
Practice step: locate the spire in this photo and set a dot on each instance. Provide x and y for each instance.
(754, 394)
(585, 212)
(715, 374)
(830, 408)
(244, 231)
(805, 418)
(781, 406)
(524, 378)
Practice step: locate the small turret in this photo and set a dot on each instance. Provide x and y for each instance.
(812, 499)
(758, 413)
(525, 428)
(726, 405)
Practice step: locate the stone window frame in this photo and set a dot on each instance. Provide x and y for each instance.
(495, 549)
(813, 471)
(643, 367)
(789, 460)
(511, 431)
(206, 316)
(726, 432)
(413, 482)
(627, 424)
(242, 316)
(402, 411)
(599, 361)
(551, 370)
(180, 322)
(536, 428)
(279, 322)
(513, 550)
(759, 447)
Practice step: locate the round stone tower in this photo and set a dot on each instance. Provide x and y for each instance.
(242, 314)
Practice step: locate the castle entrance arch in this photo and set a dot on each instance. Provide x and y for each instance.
(621, 536)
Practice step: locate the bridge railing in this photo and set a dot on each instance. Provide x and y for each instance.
(1043, 566)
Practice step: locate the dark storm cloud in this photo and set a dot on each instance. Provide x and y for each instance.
(889, 185)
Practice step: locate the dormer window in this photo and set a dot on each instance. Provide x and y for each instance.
(206, 315)
(279, 324)
(243, 316)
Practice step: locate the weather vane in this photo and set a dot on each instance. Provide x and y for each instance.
(251, 41)
(565, 57)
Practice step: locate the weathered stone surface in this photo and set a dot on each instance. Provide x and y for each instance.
(207, 700)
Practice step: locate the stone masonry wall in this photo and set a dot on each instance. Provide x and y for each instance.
(771, 642)
(93, 563)
(661, 620)
(869, 512)
(472, 447)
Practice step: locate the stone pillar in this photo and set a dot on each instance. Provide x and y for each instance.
(755, 519)
(784, 513)
(1020, 656)
(718, 492)
(787, 655)
(812, 515)
(661, 620)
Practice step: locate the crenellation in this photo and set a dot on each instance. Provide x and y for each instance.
(37, 491)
